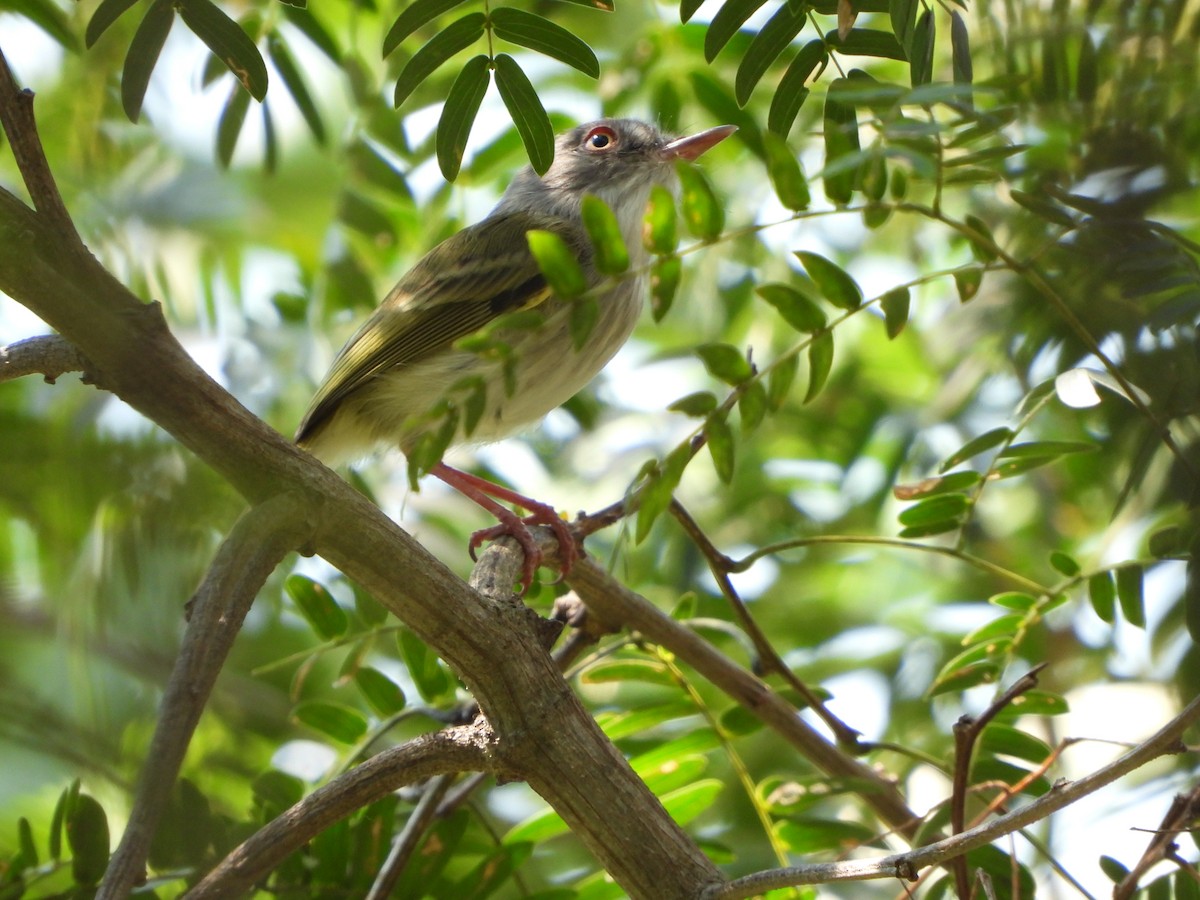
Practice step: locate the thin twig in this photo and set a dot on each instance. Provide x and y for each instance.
(1180, 817)
(409, 839)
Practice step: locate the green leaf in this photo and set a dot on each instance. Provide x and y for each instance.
(1102, 594)
(960, 49)
(1045, 449)
(921, 55)
(1005, 740)
(620, 670)
(1035, 703)
(659, 489)
(423, 666)
(333, 719)
(660, 230)
(1130, 594)
(967, 282)
(27, 855)
(698, 404)
(585, 313)
(527, 112)
(1003, 628)
(1014, 600)
(725, 24)
(791, 93)
(688, 802)
(721, 446)
(975, 446)
(866, 42)
(537, 33)
(88, 838)
(143, 54)
(841, 142)
(820, 363)
(664, 284)
(780, 378)
(1087, 71)
(228, 42)
(965, 677)
(938, 484)
(383, 694)
(786, 175)
(415, 14)
(752, 406)
(312, 29)
(895, 305)
(106, 13)
(1064, 564)
(798, 309)
(808, 834)
(49, 17)
(981, 240)
(558, 263)
(904, 22)
(229, 127)
(702, 212)
(317, 606)
(1114, 869)
(458, 114)
(1044, 209)
(604, 231)
(281, 57)
(771, 40)
(834, 283)
(456, 36)
(725, 362)
(939, 508)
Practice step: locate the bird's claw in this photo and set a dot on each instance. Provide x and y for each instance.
(511, 525)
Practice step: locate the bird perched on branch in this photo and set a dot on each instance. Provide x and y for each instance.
(411, 378)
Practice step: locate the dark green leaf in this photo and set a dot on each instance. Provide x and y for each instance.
(983, 245)
(960, 48)
(317, 606)
(276, 791)
(939, 508)
(88, 838)
(977, 445)
(772, 40)
(784, 168)
(660, 230)
(965, 677)
(866, 42)
(333, 719)
(364, 217)
(834, 283)
(820, 362)
(721, 446)
(543, 36)
(940, 484)
(58, 820)
(1169, 541)
(229, 127)
(1184, 883)
(780, 378)
(281, 57)
(895, 304)
(311, 28)
(1064, 564)
(752, 406)
(458, 114)
(604, 231)
(143, 53)
(725, 24)
(904, 21)
(423, 666)
(702, 212)
(725, 362)
(1043, 208)
(415, 14)
(664, 283)
(841, 142)
(370, 610)
(27, 850)
(368, 163)
(270, 142)
(456, 36)
(106, 13)
(1130, 593)
(921, 55)
(1102, 593)
(228, 42)
(798, 310)
(383, 694)
(527, 112)
(698, 404)
(1005, 740)
(1052, 449)
(659, 489)
(585, 313)
(967, 282)
(791, 93)
(687, 9)
(1115, 871)
(1086, 74)
(558, 263)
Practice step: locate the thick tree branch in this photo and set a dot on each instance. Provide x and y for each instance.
(461, 749)
(258, 542)
(48, 355)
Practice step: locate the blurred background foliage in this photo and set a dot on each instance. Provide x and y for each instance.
(1010, 189)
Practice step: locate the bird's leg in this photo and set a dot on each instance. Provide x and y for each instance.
(486, 493)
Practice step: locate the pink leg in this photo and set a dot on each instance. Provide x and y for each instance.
(482, 491)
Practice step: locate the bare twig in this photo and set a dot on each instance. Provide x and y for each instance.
(1166, 740)
(256, 544)
(451, 750)
(409, 838)
(47, 355)
(1180, 817)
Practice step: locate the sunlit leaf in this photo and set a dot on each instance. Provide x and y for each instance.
(414, 15)
(558, 263)
(820, 363)
(725, 362)
(619, 670)
(604, 231)
(939, 508)
(333, 719)
(538, 33)
(798, 310)
(664, 284)
(977, 445)
(686, 803)
(702, 211)
(660, 229)
(834, 282)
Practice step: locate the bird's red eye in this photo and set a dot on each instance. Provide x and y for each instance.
(600, 139)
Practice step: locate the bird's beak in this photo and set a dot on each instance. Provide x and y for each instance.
(692, 146)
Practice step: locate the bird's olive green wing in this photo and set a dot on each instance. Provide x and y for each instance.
(460, 286)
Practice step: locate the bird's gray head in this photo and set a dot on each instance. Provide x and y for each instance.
(618, 160)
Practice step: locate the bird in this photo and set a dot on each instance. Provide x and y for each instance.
(405, 373)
